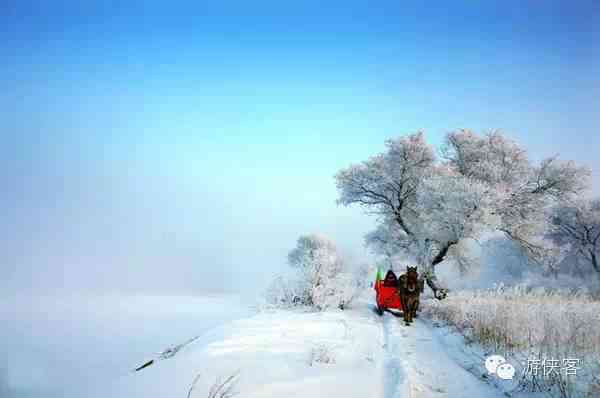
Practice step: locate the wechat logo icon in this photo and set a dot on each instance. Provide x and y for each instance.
(496, 364)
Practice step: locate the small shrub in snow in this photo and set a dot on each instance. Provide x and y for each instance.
(321, 278)
(286, 293)
(321, 353)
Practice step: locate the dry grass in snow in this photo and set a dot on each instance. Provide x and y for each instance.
(523, 324)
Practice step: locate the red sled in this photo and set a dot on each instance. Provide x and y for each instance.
(387, 293)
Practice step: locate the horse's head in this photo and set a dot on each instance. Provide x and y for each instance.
(412, 279)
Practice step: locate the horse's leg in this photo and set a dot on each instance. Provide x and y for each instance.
(415, 308)
(405, 309)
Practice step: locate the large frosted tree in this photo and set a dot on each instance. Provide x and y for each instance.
(428, 207)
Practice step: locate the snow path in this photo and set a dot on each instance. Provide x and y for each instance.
(417, 365)
(393, 375)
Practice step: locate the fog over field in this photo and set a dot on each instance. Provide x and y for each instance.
(80, 346)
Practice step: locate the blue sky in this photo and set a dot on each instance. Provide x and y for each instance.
(163, 146)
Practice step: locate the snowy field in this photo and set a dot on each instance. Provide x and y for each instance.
(77, 347)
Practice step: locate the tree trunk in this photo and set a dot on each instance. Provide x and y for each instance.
(430, 277)
(595, 261)
(431, 281)
(442, 253)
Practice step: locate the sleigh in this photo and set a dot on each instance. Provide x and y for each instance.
(386, 290)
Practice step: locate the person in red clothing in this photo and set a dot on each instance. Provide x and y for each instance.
(390, 280)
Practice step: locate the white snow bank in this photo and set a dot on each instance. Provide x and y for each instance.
(299, 354)
(352, 353)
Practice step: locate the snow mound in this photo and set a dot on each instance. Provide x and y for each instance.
(296, 353)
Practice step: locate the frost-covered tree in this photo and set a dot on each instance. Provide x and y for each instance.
(322, 280)
(577, 225)
(492, 158)
(521, 193)
(387, 184)
(316, 258)
(428, 207)
(388, 239)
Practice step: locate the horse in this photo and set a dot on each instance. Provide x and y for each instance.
(409, 289)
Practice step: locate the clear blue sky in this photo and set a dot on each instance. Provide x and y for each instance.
(162, 146)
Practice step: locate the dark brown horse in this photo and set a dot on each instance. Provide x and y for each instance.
(409, 289)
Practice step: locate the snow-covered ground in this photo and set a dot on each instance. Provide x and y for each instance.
(352, 353)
